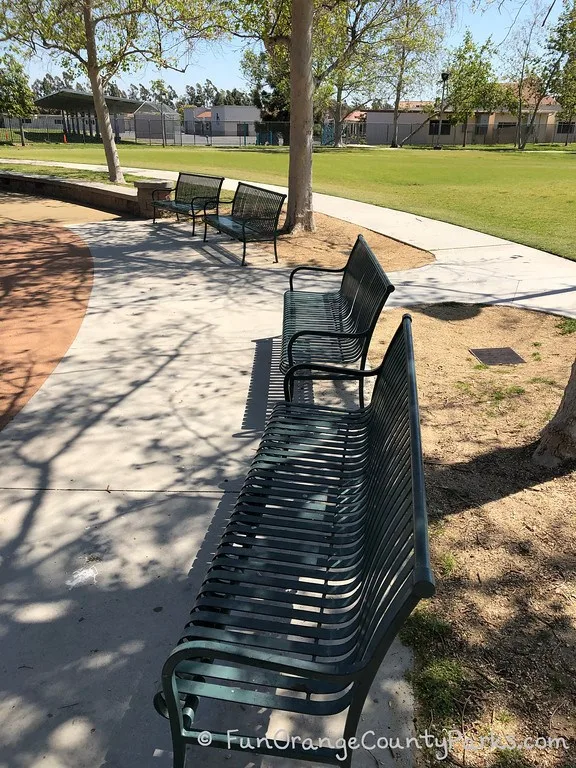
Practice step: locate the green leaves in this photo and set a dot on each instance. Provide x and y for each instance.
(473, 85)
(16, 97)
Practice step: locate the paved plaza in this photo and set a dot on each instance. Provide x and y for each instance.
(117, 476)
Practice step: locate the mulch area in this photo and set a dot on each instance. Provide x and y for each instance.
(45, 284)
(331, 243)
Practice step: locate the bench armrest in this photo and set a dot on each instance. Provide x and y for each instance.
(352, 373)
(313, 269)
(319, 334)
(206, 198)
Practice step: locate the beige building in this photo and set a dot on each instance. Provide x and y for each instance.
(484, 128)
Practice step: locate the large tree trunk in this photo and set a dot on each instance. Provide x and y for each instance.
(465, 128)
(558, 443)
(112, 160)
(300, 213)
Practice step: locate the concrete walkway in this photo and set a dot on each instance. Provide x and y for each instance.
(115, 479)
(471, 267)
(119, 474)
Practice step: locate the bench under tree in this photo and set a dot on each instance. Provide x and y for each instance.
(322, 560)
(253, 218)
(334, 327)
(194, 196)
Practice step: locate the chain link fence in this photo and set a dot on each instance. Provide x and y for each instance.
(417, 134)
(171, 131)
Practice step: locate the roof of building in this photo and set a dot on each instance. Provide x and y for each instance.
(81, 101)
(357, 116)
(417, 105)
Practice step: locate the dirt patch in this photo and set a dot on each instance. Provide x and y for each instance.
(20, 207)
(496, 646)
(45, 280)
(332, 242)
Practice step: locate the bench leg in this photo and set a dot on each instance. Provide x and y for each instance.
(153, 214)
(205, 230)
(179, 752)
(244, 253)
(193, 223)
(275, 251)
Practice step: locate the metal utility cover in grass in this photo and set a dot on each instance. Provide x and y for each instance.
(497, 356)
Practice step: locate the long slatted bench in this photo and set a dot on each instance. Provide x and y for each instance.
(253, 218)
(323, 558)
(334, 327)
(195, 195)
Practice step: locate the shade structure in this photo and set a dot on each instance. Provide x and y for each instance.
(82, 101)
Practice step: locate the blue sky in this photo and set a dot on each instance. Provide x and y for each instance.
(221, 63)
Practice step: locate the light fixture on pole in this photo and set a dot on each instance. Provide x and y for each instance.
(444, 76)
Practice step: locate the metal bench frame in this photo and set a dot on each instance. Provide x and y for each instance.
(328, 546)
(253, 218)
(333, 328)
(195, 194)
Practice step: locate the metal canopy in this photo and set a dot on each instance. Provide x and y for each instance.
(81, 101)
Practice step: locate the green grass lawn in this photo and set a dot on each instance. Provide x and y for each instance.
(526, 197)
(64, 173)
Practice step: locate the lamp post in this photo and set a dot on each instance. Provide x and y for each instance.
(444, 76)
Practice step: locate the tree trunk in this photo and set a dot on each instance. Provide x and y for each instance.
(397, 99)
(101, 108)
(465, 127)
(418, 127)
(558, 442)
(22, 139)
(300, 213)
(338, 122)
(519, 114)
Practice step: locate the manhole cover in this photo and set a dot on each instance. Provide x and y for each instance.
(497, 356)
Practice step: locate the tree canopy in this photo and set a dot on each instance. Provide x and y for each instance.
(16, 96)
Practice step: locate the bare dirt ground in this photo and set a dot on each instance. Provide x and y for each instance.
(496, 646)
(332, 242)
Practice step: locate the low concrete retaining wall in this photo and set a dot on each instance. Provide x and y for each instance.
(107, 197)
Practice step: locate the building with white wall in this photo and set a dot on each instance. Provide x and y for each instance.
(224, 120)
(483, 128)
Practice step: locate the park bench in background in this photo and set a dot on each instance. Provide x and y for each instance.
(254, 217)
(195, 194)
(334, 327)
(322, 560)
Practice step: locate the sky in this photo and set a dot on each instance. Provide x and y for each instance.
(221, 62)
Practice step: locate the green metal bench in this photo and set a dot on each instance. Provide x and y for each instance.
(254, 217)
(335, 327)
(322, 560)
(195, 194)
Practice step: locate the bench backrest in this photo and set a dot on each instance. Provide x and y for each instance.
(252, 202)
(365, 288)
(395, 571)
(192, 186)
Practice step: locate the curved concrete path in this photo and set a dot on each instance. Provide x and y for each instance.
(471, 267)
(115, 479)
(120, 471)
